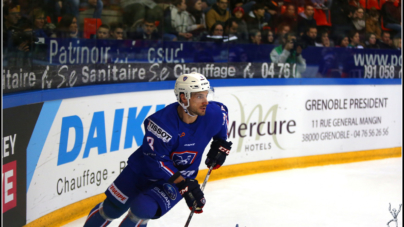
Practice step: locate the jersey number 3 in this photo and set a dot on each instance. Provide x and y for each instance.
(150, 140)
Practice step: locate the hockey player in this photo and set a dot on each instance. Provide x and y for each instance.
(162, 170)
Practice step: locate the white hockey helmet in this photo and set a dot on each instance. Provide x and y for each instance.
(188, 83)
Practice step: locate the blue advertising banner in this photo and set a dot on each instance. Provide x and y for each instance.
(76, 62)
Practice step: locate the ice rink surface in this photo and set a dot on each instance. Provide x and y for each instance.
(356, 194)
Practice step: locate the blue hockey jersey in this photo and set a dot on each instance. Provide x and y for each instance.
(170, 145)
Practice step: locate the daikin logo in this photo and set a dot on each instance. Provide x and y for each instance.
(260, 126)
(72, 132)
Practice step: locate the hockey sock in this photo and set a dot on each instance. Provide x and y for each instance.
(142, 209)
(95, 218)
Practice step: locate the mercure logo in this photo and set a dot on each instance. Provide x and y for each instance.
(259, 127)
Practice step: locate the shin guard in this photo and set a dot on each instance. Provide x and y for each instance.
(132, 220)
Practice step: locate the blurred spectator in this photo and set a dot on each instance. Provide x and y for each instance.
(354, 40)
(255, 53)
(309, 38)
(148, 31)
(242, 30)
(282, 30)
(216, 33)
(176, 21)
(305, 19)
(23, 42)
(397, 43)
(67, 27)
(342, 41)
(134, 11)
(288, 53)
(358, 20)
(207, 5)
(391, 16)
(271, 13)
(268, 36)
(217, 13)
(231, 30)
(371, 42)
(38, 17)
(116, 30)
(248, 4)
(341, 14)
(372, 23)
(289, 17)
(11, 16)
(255, 19)
(255, 36)
(197, 20)
(385, 42)
(325, 40)
(103, 32)
(217, 29)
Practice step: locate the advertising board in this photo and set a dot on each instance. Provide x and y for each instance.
(90, 138)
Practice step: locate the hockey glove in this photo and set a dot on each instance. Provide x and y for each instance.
(190, 190)
(219, 149)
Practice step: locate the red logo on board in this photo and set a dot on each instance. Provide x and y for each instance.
(9, 186)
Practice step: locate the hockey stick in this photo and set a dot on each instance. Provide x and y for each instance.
(202, 188)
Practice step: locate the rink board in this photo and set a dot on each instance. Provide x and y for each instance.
(79, 145)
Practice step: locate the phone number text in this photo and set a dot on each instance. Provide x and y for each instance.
(347, 134)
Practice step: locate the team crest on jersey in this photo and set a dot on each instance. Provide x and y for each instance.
(158, 132)
(170, 191)
(183, 157)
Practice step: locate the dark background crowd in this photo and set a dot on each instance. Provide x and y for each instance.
(324, 23)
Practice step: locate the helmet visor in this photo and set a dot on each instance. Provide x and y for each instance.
(211, 94)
